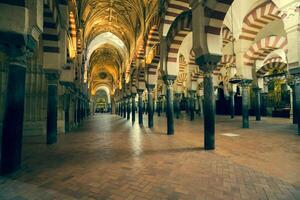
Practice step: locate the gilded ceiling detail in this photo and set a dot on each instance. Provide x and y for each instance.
(125, 19)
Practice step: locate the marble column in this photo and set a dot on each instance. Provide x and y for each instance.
(158, 106)
(177, 105)
(170, 107)
(297, 100)
(257, 103)
(121, 107)
(133, 95)
(124, 107)
(295, 110)
(67, 98)
(232, 104)
(145, 105)
(209, 111)
(12, 130)
(201, 106)
(140, 102)
(245, 102)
(53, 78)
(82, 109)
(150, 105)
(192, 104)
(128, 107)
(78, 110)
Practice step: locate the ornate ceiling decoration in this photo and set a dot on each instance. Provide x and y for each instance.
(126, 19)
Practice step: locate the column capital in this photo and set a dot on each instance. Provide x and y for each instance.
(150, 87)
(17, 55)
(169, 79)
(256, 89)
(133, 95)
(192, 91)
(52, 75)
(245, 82)
(140, 91)
(208, 62)
(178, 95)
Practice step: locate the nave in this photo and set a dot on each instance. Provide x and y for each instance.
(149, 99)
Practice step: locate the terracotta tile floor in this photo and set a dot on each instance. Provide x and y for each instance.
(108, 158)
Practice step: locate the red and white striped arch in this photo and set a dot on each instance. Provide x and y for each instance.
(262, 48)
(227, 35)
(133, 78)
(182, 75)
(280, 66)
(257, 19)
(152, 67)
(153, 38)
(153, 48)
(181, 27)
(152, 33)
(192, 60)
(273, 59)
(140, 53)
(174, 9)
(215, 12)
(225, 60)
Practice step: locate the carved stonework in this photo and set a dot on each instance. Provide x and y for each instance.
(140, 91)
(52, 76)
(169, 79)
(208, 63)
(150, 87)
(245, 82)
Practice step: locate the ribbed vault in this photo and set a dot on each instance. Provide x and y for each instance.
(112, 29)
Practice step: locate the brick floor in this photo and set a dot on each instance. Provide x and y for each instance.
(108, 158)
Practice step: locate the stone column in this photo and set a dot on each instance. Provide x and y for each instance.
(53, 78)
(121, 107)
(82, 109)
(245, 102)
(257, 103)
(294, 82)
(177, 105)
(124, 107)
(145, 105)
(158, 105)
(128, 107)
(133, 95)
(192, 104)
(140, 92)
(297, 100)
(150, 105)
(295, 114)
(207, 63)
(170, 110)
(209, 111)
(232, 104)
(12, 131)
(78, 110)
(67, 99)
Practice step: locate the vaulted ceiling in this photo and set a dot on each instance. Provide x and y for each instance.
(125, 19)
